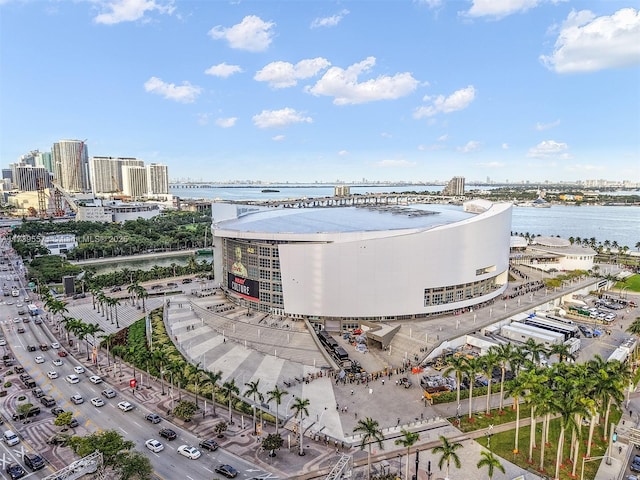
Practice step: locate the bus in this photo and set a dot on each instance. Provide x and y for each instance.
(33, 310)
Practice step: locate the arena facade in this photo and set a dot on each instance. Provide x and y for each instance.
(362, 263)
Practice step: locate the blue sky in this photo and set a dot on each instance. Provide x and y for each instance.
(306, 91)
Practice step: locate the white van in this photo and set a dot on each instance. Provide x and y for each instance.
(11, 438)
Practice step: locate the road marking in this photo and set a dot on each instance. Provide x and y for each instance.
(126, 433)
(208, 470)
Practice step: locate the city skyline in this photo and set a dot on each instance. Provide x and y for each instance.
(318, 91)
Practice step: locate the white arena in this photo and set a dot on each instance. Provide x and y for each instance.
(361, 262)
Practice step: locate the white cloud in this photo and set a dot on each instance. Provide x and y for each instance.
(443, 138)
(252, 34)
(342, 153)
(223, 70)
(279, 118)
(278, 138)
(395, 163)
(458, 100)
(577, 167)
(131, 10)
(431, 3)
(285, 74)
(500, 8)
(226, 122)
(343, 85)
(185, 93)
(471, 146)
(587, 43)
(546, 126)
(549, 149)
(331, 21)
(505, 146)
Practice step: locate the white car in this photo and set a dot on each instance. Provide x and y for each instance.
(188, 451)
(72, 378)
(125, 406)
(3, 342)
(77, 399)
(39, 359)
(55, 345)
(154, 445)
(78, 370)
(57, 362)
(95, 379)
(52, 374)
(97, 402)
(109, 393)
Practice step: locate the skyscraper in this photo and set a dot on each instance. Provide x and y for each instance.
(106, 173)
(455, 187)
(157, 179)
(134, 181)
(71, 165)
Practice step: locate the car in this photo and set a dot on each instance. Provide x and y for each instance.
(39, 359)
(62, 353)
(153, 418)
(109, 393)
(97, 402)
(172, 284)
(26, 320)
(52, 374)
(55, 345)
(58, 439)
(37, 392)
(15, 471)
(21, 330)
(168, 434)
(72, 378)
(19, 305)
(209, 444)
(635, 465)
(190, 452)
(17, 320)
(31, 348)
(57, 362)
(227, 470)
(116, 289)
(3, 342)
(78, 369)
(57, 411)
(33, 461)
(77, 399)
(95, 379)
(405, 382)
(125, 406)
(37, 321)
(73, 423)
(187, 280)
(44, 347)
(154, 445)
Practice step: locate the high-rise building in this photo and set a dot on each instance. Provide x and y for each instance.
(28, 178)
(43, 159)
(157, 179)
(455, 187)
(71, 165)
(134, 181)
(106, 173)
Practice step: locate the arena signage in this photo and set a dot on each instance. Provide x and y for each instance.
(244, 287)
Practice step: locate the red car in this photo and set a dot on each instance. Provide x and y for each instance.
(62, 353)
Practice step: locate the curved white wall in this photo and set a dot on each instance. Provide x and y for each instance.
(356, 277)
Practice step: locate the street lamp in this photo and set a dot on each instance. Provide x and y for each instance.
(593, 459)
(400, 465)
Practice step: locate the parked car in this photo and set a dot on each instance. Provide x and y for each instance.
(33, 461)
(209, 444)
(635, 465)
(15, 471)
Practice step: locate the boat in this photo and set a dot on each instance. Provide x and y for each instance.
(270, 190)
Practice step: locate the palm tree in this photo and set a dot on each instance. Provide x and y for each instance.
(197, 378)
(566, 403)
(91, 330)
(458, 366)
(253, 391)
(160, 357)
(448, 451)
(301, 407)
(516, 389)
(276, 394)
(132, 290)
(634, 328)
(490, 461)
(214, 378)
(503, 352)
(371, 432)
(562, 351)
(407, 440)
(472, 368)
(535, 350)
(230, 388)
(487, 362)
(142, 293)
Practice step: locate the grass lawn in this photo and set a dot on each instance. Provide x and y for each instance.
(502, 444)
(632, 283)
(480, 420)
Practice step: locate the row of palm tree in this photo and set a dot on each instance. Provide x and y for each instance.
(605, 246)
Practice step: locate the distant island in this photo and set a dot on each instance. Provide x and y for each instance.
(270, 190)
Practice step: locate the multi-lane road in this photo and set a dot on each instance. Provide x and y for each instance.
(168, 464)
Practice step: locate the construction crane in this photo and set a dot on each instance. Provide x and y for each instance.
(42, 198)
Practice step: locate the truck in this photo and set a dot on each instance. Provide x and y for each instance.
(33, 309)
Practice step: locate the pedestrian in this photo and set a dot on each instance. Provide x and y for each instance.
(383, 381)
(352, 391)
(337, 405)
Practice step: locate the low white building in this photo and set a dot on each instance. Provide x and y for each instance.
(59, 244)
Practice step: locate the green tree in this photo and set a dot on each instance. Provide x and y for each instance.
(230, 389)
(301, 407)
(214, 378)
(63, 420)
(447, 451)
(253, 391)
(371, 433)
(133, 465)
(272, 442)
(185, 410)
(407, 440)
(220, 428)
(109, 442)
(277, 395)
(504, 353)
(490, 461)
(457, 366)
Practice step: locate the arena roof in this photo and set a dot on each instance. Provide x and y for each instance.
(347, 219)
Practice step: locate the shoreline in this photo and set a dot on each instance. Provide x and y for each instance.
(138, 256)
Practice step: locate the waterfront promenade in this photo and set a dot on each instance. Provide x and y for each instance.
(279, 352)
